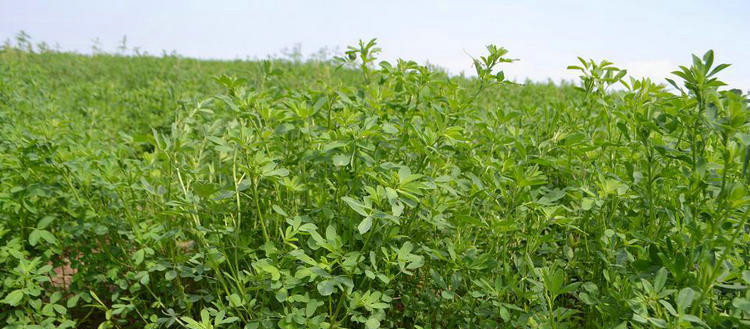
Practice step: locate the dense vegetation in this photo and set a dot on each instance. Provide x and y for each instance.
(140, 191)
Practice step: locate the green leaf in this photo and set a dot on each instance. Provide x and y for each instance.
(708, 58)
(34, 237)
(279, 210)
(372, 323)
(622, 325)
(668, 307)
(356, 206)
(365, 225)
(693, 319)
(143, 277)
(661, 279)
(620, 75)
(235, 300)
(191, 324)
(44, 222)
(333, 145)
(230, 319)
(14, 297)
(265, 266)
(59, 308)
(504, 314)
(552, 197)
(170, 275)
(300, 255)
(281, 172)
(47, 236)
(331, 234)
(281, 295)
(742, 304)
(205, 317)
(587, 203)
(659, 323)
(73, 301)
(340, 160)
(326, 287)
(570, 288)
(717, 69)
(586, 298)
(138, 256)
(638, 318)
(684, 299)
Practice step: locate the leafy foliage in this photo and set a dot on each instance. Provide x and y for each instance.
(165, 192)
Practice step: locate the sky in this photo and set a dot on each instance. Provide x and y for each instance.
(648, 38)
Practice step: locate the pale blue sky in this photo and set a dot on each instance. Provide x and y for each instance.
(646, 37)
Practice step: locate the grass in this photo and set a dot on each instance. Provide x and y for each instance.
(156, 192)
